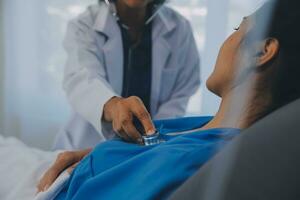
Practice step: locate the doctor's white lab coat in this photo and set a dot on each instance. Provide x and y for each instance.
(94, 71)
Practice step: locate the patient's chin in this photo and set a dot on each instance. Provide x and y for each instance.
(212, 86)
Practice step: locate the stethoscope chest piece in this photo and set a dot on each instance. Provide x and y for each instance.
(154, 139)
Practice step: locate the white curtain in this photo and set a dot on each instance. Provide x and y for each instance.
(35, 105)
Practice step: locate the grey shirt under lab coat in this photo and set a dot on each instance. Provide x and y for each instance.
(94, 71)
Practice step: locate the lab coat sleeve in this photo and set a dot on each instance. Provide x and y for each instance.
(85, 76)
(188, 80)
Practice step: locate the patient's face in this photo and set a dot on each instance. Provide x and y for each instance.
(225, 70)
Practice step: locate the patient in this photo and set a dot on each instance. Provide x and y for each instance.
(254, 76)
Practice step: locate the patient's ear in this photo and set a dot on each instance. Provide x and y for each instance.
(266, 52)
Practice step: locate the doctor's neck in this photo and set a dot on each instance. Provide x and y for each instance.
(133, 17)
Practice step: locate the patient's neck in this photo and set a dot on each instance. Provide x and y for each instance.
(233, 110)
(220, 117)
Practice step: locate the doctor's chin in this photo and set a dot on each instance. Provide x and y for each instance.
(149, 100)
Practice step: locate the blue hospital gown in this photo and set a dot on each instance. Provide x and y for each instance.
(120, 170)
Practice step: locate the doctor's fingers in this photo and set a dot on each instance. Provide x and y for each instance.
(124, 127)
(132, 132)
(139, 110)
(128, 126)
(117, 127)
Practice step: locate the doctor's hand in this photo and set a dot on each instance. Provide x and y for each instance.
(121, 113)
(65, 161)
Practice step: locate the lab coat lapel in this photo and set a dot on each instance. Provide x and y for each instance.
(161, 52)
(106, 24)
(113, 50)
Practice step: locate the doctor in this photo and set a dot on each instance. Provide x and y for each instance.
(128, 61)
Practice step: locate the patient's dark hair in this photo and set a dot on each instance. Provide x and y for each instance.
(285, 28)
(155, 2)
(284, 81)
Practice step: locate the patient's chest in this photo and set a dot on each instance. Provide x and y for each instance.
(118, 169)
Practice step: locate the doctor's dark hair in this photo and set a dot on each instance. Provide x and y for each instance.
(283, 82)
(155, 2)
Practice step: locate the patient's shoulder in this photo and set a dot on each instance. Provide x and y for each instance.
(181, 124)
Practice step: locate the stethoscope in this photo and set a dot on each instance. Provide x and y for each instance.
(113, 10)
(157, 138)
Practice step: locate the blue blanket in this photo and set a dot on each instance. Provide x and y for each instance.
(120, 170)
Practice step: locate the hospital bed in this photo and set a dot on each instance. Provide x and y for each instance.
(263, 163)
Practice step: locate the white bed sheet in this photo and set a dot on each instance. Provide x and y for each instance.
(21, 167)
